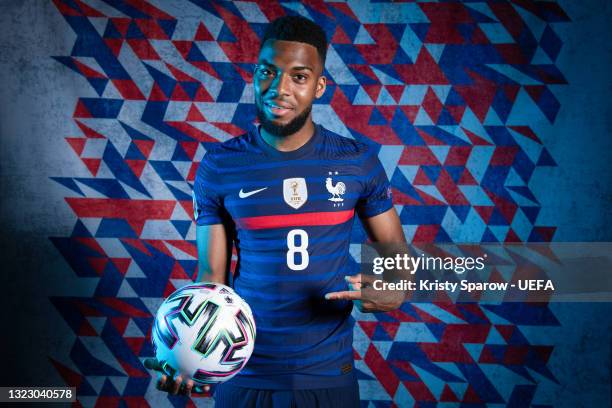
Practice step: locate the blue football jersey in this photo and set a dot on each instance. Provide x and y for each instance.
(292, 214)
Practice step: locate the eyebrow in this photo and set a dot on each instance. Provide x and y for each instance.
(298, 68)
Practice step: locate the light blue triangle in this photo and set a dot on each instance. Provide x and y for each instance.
(132, 330)
(456, 131)
(492, 119)
(384, 78)
(389, 156)
(540, 57)
(383, 347)
(413, 95)
(362, 98)
(494, 337)
(451, 368)
(535, 24)
(435, 50)
(423, 119)
(431, 191)
(402, 397)
(514, 74)
(441, 91)
(298, 8)
(409, 171)
(97, 323)
(499, 231)
(525, 110)
(410, 43)
(470, 122)
(474, 349)
(385, 98)
(494, 318)
(482, 8)
(479, 159)
(532, 149)
(363, 37)
(440, 152)
(513, 179)
(435, 384)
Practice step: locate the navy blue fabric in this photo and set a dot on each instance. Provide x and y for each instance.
(229, 396)
(303, 341)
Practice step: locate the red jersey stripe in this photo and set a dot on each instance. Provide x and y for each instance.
(296, 220)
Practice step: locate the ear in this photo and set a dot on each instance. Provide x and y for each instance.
(321, 84)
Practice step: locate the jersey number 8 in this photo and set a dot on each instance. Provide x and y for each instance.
(293, 249)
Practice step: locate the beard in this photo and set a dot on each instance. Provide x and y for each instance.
(283, 130)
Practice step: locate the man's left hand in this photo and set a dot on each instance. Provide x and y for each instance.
(374, 301)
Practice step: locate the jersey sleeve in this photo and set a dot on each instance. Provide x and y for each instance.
(376, 196)
(207, 202)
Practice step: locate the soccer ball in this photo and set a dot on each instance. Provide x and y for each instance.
(205, 332)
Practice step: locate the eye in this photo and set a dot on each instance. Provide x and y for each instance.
(265, 72)
(300, 78)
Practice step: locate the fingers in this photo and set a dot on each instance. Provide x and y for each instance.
(344, 295)
(161, 382)
(176, 386)
(188, 387)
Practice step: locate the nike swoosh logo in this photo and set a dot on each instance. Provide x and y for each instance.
(243, 194)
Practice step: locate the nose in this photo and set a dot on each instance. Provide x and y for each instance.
(281, 84)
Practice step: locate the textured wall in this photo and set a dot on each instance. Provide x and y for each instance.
(492, 122)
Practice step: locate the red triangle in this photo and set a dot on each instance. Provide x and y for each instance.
(203, 34)
(391, 328)
(114, 44)
(77, 144)
(202, 95)
(137, 243)
(86, 329)
(448, 395)
(135, 344)
(190, 148)
(411, 111)
(91, 243)
(178, 272)
(121, 24)
(81, 111)
(137, 166)
(506, 331)
(180, 75)
(120, 323)
(527, 132)
(456, 112)
(512, 237)
(194, 115)
(425, 70)
(229, 128)
(372, 91)
(157, 95)
(93, 165)
(478, 95)
(396, 91)
(403, 199)
(340, 37)
(72, 378)
(368, 328)
(546, 233)
(122, 264)
(183, 47)
(475, 139)
(467, 179)
(486, 356)
(98, 264)
(365, 70)
(421, 179)
(145, 146)
(484, 212)
(511, 91)
(387, 111)
(89, 132)
(169, 289)
(478, 37)
(535, 91)
(470, 395)
(206, 67)
(179, 94)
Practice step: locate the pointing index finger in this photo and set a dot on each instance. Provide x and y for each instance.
(344, 295)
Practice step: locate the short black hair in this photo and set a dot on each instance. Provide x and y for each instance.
(299, 29)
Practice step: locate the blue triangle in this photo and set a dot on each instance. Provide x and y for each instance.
(69, 183)
(80, 230)
(420, 29)
(195, 54)
(115, 228)
(546, 159)
(165, 82)
(350, 91)
(178, 194)
(466, 30)
(380, 334)
(134, 153)
(99, 84)
(377, 118)
(454, 98)
(109, 187)
(182, 227)
(437, 329)
(405, 130)
(179, 154)
(134, 32)
(189, 266)
(446, 119)
(133, 133)
(433, 172)
(111, 31)
(455, 172)
(190, 88)
(168, 26)
(397, 30)
(531, 213)
(461, 211)
(226, 35)
(401, 57)
(488, 236)
(442, 236)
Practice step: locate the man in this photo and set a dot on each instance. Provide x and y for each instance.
(285, 195)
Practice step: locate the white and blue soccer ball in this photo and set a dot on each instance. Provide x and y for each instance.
(204, 331)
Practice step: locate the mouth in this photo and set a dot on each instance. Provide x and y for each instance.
(277, 109)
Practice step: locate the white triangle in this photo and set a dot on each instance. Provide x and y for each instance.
(363, 37)
(362, 97)
(492, 119)
(199, 154)
(132, 330)
(383, 347)
(110, 92)
(126, 290)
(179, 213)
(133, 193)
(389, 157)
(182, 167)
(179, 283)
(385, 98)
(92, 224)
(440, 152)
(441, 91)
(119, 382)
(409, 171)
(152, 303)
(99, 24)
(540, 57)
(96, 382)
(435, 50)
(422, 118)
(104, 171)
(191, 233)
(97, 323)
(134, 271)
(88, 191)
(178, 254)
(384, 78)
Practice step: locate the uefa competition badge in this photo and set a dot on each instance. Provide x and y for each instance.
(295, 192)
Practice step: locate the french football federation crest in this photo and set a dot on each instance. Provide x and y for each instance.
(336, 190)
(295, 192)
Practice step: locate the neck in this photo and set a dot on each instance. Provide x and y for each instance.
(291, 142)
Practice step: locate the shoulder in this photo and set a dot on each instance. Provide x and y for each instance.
(342, 147)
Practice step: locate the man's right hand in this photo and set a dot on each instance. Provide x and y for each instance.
(173, 386)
